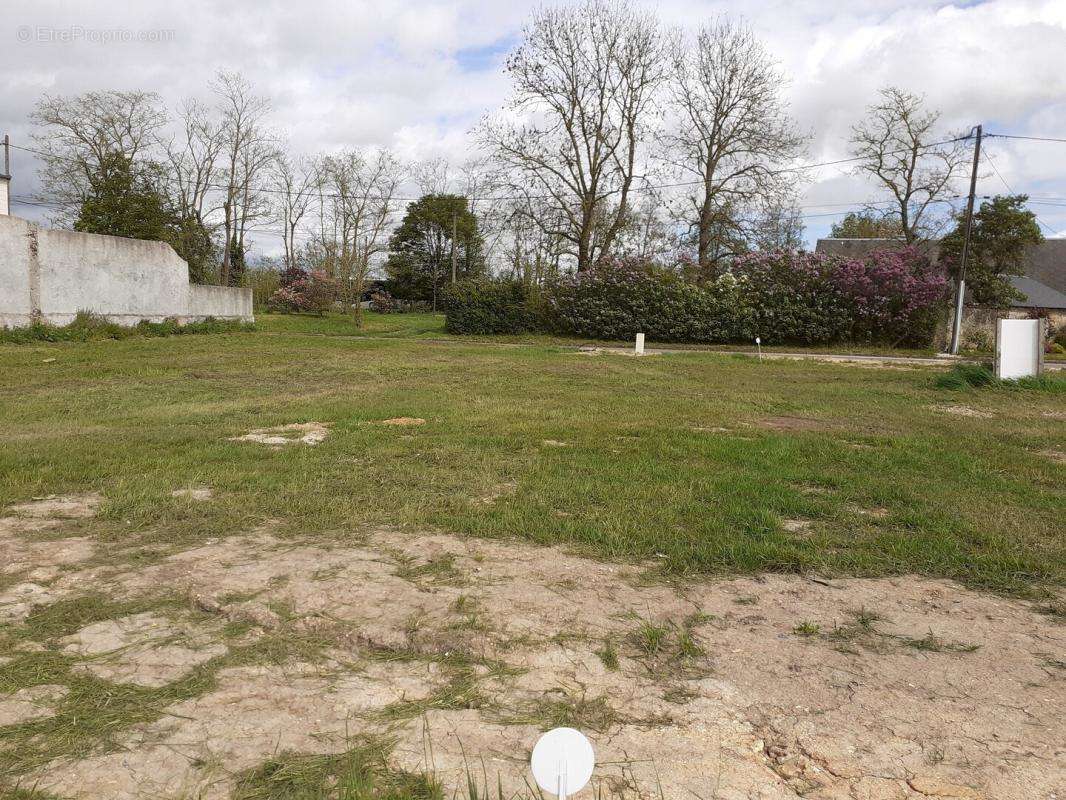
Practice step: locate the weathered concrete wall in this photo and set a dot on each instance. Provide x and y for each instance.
(126, 280)
(51, 275)
(220, 302)
(15, 305)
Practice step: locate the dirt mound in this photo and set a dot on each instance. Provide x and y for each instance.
(772, 687)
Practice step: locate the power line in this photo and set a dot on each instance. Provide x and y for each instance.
(999, 175)
(506, 198)
(1013, 136)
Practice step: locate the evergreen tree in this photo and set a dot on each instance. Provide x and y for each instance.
(1003, 231)
(123, 200)
(420, 257)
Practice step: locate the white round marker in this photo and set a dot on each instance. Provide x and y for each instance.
(562, 762)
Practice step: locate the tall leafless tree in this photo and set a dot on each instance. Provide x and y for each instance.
(78, 137)
(295, 184)
(584, 82)
(898, 145)
(730, 130)
(248, 150)
(359, 197)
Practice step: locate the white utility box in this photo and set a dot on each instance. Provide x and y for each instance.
(1020, 348)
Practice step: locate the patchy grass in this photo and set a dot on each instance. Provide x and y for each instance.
(966, 498)
(360, 773)
(980, 376)
(87, 327)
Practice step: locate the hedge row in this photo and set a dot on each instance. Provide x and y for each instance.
(784, 298)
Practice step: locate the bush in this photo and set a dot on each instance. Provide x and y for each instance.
(782, 297)
(383, 303)
(620, 298)
(314, 293)
(484, 306)
(793, 298)
(895, 296)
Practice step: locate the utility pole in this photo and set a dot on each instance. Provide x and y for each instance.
(455, 225)
(960, 297)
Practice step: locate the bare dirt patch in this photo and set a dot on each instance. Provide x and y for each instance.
(306, 433)
(901, 688)
(405, 422)
(963, 411)
(554, 443)
(34, 702)
(46, 513)
(143, 649)
(200, 494)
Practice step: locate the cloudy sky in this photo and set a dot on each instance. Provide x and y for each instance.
(416, 75)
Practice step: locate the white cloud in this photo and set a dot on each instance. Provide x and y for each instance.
(397, 73)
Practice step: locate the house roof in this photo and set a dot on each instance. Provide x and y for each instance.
(1045, 264)
(1038, 295)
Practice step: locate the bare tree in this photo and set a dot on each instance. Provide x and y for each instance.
(79, 137)
(731, 129)
(192, 158)
(296, 186)
(360, 198)
(432, 176)
(584, 82)
(898, 145)
(248, 150)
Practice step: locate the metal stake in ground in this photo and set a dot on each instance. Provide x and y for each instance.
(956, 328)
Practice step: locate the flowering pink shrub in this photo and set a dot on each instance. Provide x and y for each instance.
(895, 295)
(314, 293)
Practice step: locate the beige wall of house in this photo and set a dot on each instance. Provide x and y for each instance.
(50, 275)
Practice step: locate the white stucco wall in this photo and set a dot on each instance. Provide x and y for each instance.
(221, 302)
(51, 275)
(15, 305)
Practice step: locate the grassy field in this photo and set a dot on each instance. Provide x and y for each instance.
(701, 463)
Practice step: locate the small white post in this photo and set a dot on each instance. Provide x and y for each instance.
(639, 347)
(758, 345)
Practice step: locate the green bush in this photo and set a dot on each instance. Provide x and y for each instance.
(87, 326)
(484, 306)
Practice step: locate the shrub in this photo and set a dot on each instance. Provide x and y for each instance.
(314, 293)
(793, 298)
(383, 303)
(896, 296)
(484, 306)
(619, 298)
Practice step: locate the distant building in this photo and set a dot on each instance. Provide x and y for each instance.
(1043, 282)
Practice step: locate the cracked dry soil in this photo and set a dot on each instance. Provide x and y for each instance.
(753, 688)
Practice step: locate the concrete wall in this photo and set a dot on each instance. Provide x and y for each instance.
(220, 302)
(51, 275)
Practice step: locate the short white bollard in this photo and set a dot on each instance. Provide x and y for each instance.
(638, 348)
(562, 762)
